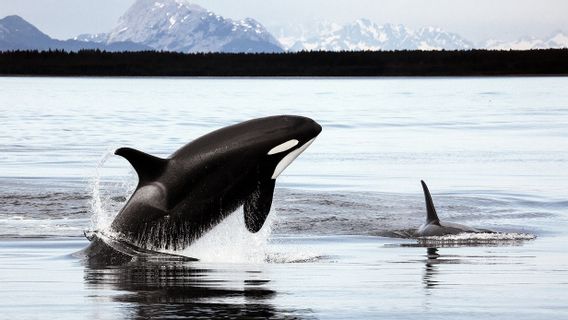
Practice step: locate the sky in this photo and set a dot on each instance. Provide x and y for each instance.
(476, 20)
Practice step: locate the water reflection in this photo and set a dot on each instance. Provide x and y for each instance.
(432, 266)
(179, 289)
(436, 264)
(431, 269)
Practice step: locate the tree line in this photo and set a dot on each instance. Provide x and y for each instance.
(319, 63)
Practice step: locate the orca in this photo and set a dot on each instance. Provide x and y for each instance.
(180, 198)
(433, 226)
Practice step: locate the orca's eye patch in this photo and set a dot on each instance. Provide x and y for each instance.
(291, 156)
(283, 147)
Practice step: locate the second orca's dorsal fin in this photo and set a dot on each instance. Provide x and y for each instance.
(432, 216)
(146, 166)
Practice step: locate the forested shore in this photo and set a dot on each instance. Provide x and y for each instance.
(362, 63)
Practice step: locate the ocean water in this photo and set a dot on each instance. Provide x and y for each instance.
(494, 152)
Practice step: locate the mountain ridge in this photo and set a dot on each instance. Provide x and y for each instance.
(363, 34)
(555, 40)
(18, 34)
(181, 26)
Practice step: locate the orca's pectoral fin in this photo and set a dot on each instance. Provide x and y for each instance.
(147, 166)
(432, 216)
(257, 206)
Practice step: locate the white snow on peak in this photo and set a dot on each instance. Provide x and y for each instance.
(179, 25)
(557, 40)
(364, 34)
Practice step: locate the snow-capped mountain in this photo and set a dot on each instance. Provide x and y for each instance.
(432, 38)
(557, 40)
(18, 34)
(364, 34)
(178, 25)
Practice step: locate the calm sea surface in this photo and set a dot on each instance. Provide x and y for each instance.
(494, 152)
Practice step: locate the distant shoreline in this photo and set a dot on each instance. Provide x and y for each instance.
(471, 63)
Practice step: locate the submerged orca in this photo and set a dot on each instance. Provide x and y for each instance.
(181, 197)
(433, 226)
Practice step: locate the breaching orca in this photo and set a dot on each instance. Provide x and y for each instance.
(181, 197)
(433, 226)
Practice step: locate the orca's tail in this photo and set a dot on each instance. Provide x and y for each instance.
(432, 216)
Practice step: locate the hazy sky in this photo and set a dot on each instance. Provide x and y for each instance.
(474, 19)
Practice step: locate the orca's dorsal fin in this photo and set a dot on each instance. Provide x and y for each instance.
(432, 216)
(146, 166)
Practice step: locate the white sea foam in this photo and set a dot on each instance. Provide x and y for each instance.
(477, 238)
(278, 254)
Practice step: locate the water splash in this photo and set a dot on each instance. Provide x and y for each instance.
(107, 197)
(98, 213)
(231, 242)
